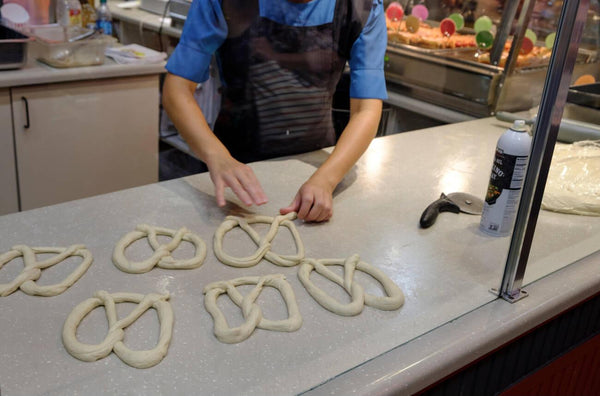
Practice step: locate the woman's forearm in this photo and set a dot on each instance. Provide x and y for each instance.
(182, 108)
(225, 171)
(354, 140)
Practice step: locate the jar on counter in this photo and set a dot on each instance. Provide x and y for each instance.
(88, 15)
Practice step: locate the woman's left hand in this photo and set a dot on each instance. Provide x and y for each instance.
(313, 202)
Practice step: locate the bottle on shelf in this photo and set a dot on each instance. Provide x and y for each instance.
(103, 18)
(68, 12)
(62, 12)
(88, 15)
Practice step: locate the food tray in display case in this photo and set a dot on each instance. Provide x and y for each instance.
(428, 35)
(452, 82)
(458, 71)
(463, 80)
(585, 95)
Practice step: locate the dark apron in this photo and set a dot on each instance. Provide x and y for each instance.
(278, 105)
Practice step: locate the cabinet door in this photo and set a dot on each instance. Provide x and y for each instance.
(85, 138)
(9, 202)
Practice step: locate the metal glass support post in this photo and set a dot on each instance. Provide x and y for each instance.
(508, 16)
(554, 95)
(517, 42)
(527, 7)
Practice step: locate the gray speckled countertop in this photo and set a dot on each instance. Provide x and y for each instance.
(35, 72)
(445, 272)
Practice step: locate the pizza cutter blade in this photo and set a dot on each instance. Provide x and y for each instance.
(454, 202)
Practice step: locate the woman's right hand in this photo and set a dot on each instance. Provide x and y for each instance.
(226, 171)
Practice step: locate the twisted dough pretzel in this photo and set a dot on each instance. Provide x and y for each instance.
(162, 253)
(393, 300)
(33, 269)
(116, 333)
(251, 311)
(263, 245)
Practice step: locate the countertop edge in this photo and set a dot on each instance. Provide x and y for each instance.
(422, 362)
(37, 73)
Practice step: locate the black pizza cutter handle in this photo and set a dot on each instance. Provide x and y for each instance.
(430, 214)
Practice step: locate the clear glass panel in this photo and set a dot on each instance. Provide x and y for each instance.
(568, 227)
(488, 60)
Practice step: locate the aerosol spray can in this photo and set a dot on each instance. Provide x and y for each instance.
(506, 180)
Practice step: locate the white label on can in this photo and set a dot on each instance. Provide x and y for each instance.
(504, 190)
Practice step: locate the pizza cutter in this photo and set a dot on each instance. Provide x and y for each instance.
(454, 202)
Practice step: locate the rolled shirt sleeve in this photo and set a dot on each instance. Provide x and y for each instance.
(204, 31)
(367, 79)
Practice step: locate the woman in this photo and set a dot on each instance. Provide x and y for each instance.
(279, 61)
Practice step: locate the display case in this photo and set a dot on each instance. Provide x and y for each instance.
(479, 57)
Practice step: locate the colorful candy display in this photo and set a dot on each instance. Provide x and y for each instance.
(412, 23)
(458, 19)
(420, 11)
(484, 39)
(483, 23)
(394, 11)
(447, 27)
(550, 40)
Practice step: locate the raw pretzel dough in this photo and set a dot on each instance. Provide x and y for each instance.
(264, 244)
(251, 311)
(573, 184)
(114, 338)
(393, 300)
(162, 253)
(33, 269)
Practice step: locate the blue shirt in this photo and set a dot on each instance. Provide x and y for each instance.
(206, 29)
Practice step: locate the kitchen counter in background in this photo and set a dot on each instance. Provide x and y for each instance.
(76, 132)
(133, 24)
(450, 317)
(130, 12)
(35, 72)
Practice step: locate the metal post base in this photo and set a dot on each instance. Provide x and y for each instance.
(511, 298)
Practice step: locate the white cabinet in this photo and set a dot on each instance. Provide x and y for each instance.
(83, 138)
(9, 200)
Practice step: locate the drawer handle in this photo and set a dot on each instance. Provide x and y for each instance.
(27, 124)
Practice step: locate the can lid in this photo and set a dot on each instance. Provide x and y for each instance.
(519, 126)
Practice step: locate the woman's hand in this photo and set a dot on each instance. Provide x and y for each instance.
(313, 202)
(225, 171)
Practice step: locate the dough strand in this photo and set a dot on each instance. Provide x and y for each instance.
(251, 311)
(392, 301)
(162, 253)
(32, 271)
(116, 333)
(263, 244)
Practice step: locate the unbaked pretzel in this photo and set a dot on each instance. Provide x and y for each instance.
(263, 244)
(162, 253)
(114, 339)
(251, 311)
(393, 300)
(33, 269)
